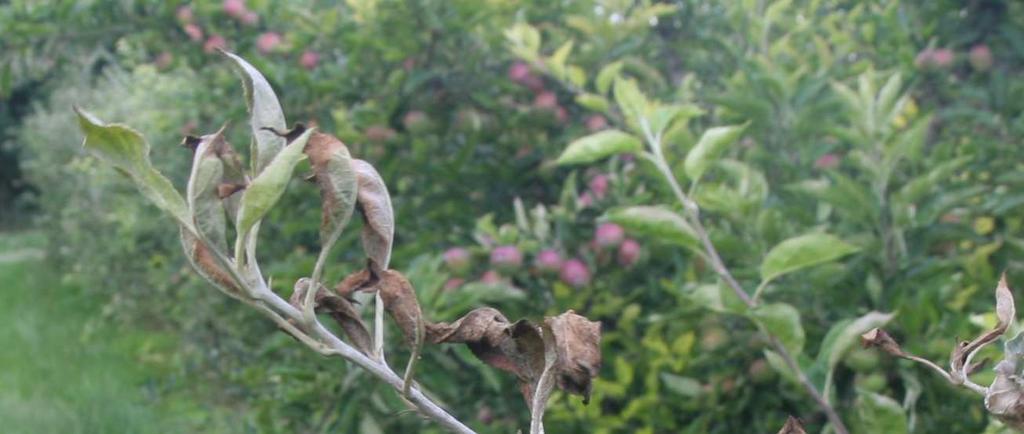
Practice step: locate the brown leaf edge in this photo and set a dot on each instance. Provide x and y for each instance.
(339, 309)
(520, 348)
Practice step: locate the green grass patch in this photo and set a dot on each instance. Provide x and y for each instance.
(65, 369)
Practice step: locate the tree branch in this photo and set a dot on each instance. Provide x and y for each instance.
(692, 215)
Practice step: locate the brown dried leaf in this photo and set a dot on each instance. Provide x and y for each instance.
(792, 426)
(401, 303)
(233, 178)
(375, 206)
(483, 330)
(578, 343)
(565, 350)
(879, 338)
(398, 295)
(225, 190)
(203, 261)
(340, 309)
(361, 280)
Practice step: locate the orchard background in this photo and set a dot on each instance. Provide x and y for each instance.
(464, 107)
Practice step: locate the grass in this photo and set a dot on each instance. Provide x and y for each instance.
(64, 369)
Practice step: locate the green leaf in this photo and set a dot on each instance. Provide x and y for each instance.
(630, 99)
(593, 102)
(684, 386)
(846, 334)
(599, 145)
(717, 298)
(879, 414)
(711, 146)
(841, 337)
(780, 366)
(656, 223)
(607, 76)
(576, 75)
(556, 63)
(264, 112)
(524, 41)
(915, 189)
(661, 118)
(782, 321)
(887, 97)
(125, 149)
(801, 252)
(266, 189)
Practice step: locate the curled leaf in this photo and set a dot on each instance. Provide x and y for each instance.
(525, 349)
(399, 299)
(483, 330)
(792, 426)
(340, 309)
(202, 193)
(204, 262)
(1005, 312)
(332, 170)
(881, 339)
(378, 216)
(1005, 397)
(578, 344)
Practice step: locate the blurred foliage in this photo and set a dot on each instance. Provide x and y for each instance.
(464, 107)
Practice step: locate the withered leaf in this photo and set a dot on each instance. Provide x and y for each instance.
(879, 338)
(1005, 309)
(483, 330)
(375, 206)
(1005, 312)
(398, 295)
(332, 170)
(202, 198)
(339, 309)
(578, 344)
(792, 426)
(569, 341)
(1005, 399)
(204, 262)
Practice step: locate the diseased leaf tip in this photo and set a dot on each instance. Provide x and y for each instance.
(191, 142)
(289, 135)
(878, 338)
